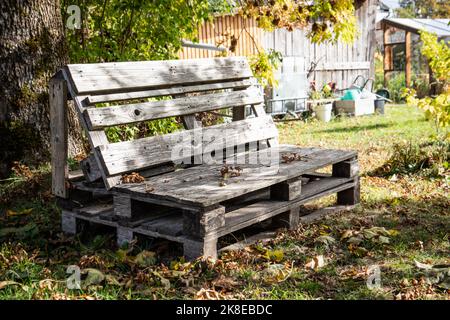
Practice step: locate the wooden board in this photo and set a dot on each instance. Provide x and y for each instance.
(130, 113)
(59, 135)
(127, 156)
(177, 90)
(201, 186)
(133, 76)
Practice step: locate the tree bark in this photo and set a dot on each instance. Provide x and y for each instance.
(32, 49)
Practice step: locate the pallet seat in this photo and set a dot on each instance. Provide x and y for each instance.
(195, 185)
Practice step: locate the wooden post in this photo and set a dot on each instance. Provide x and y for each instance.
(289, 219)
(349, 196)
(59, 134)
(408, 59)
(286, 190)
(194, 248)
(387, 53)
(200, 228)
(348, 169)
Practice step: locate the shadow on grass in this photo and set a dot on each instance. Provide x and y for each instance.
(356, 128)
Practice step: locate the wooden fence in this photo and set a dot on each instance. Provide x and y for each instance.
(238, 35)
(339, 62)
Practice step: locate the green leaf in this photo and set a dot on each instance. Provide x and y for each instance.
(145, 259)
(93, 277)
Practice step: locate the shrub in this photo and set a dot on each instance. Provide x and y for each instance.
(436, 107)
(396, 85)
(429, 159)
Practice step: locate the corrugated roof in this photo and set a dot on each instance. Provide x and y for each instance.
(390, 4)
(437, 26)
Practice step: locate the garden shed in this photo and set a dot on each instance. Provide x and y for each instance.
(401, 41)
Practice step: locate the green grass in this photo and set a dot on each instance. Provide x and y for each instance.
(35, 254)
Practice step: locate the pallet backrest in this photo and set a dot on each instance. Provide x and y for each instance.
(191, 86)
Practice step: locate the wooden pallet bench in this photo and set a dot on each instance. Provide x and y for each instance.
(185, 196)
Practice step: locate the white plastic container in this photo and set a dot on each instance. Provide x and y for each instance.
(323, 112)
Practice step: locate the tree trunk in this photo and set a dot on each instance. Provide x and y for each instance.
(32, 48)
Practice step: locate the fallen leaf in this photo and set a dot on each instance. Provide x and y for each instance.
(423, 265)
(274, 273)
(12, 213)
(326, 240)
(145, 258)
(383, 239)
(4, 284)
(315, 263)
(93, 277)
(47, 284)
(207, 294)
(165, 282)
(224, 282)
(122, 255)
(274, 255)
(355, 240)
(347, 234)
(229, 171)
(133, 177)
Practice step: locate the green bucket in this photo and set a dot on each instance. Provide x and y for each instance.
(351, 94)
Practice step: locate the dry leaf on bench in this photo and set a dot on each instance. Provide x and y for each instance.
(133, 177)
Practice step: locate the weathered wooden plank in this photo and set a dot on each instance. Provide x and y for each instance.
(122, 206)
(95, 209)
(170, 225)
(287, 190)
(96, 137)
(125, 235)
(75, 175)
(289, 219)
(204, 187)
(264, 210)
(68, 222)
(59, 135)
(113, 97)
(97, 118)
(126, 76)
(201, 223)
(350, 196)
(347, 169)
(348, 65)
(194, 248)
(138, 154)
(90, 169)
(259, 111)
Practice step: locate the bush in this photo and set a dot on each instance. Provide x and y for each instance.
(396, 85)
(429, 159)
